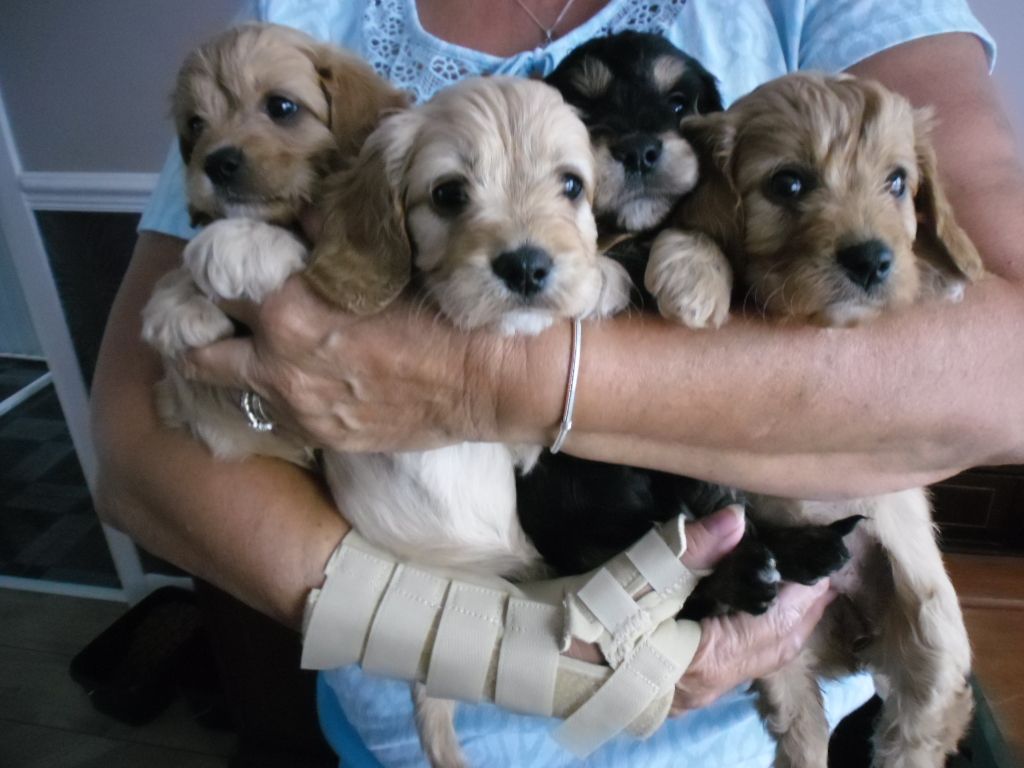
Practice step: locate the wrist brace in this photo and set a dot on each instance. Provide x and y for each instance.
(477, 638)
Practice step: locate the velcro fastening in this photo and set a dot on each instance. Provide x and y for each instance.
(466, 642)
(645, 676)
(404, 620)
(528, 661)
(656, 561)
(611, 605)
(335, 633)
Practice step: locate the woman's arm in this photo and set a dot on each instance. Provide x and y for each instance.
(799, 411)
(261, 529)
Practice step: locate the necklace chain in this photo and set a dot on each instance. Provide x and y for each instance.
(549, 32)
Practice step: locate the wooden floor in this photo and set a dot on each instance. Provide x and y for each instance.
(991, 591)
(46, 720)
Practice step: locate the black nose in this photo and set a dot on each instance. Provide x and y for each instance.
(867, 264)
(222, 166)
(524, 270)
(638, 153)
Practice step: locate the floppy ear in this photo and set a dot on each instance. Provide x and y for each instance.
(357, 96)
(714, 206)
(363, 258)
(941, 243)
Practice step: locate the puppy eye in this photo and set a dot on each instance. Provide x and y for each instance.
(788, 185)
(196, 125)
(896, 183)
(280, 108)
(572, 186)
(449, 197)
(679, 103)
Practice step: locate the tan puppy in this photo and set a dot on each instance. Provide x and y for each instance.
(263, 113)
(821, 195)
(483, 196)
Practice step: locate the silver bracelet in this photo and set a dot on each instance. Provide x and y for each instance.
(570, 388)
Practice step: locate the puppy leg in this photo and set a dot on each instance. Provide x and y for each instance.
(243, 258)
(923, 653)
(690, 277)
(178, 317)
(435, 721)
(791, 704)
(745, 580)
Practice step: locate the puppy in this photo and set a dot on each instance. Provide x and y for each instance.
(482, 197)
(263, 113)
(631, 90)
(821, 194)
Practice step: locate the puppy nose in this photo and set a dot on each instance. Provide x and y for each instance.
(638, 153)
(525, 270)
(222, 166)
(867, 264)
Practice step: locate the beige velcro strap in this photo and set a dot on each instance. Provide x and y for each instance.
(406, 617)
(529, 657)
(338, 616)
(638, 694)
(466, 642)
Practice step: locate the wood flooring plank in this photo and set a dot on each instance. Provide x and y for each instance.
(53, 623)
(35, 689)
(33, 746)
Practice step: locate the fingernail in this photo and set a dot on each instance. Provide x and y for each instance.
(725, 521)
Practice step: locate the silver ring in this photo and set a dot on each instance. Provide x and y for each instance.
(252, 407)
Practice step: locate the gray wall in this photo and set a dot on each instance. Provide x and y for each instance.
(16, 334)
(86, 82)
(1004, 19)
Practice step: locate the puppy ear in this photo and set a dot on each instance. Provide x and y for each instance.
(946, 250)
(714, 206)
(363, 258)
(357, 96)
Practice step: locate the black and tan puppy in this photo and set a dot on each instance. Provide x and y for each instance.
(632, 90)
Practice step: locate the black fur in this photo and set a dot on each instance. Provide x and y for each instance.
(580, 513)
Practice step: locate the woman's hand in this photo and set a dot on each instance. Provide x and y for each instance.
(738, 647)
(402, 379)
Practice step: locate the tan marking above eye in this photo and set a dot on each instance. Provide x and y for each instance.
(666, 72)
(592, 77)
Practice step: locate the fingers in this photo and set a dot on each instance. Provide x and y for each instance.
(711, 538)
(741, 647)
(226, 363)
(242, 310)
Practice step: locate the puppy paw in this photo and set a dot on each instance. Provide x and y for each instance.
(243, 258)
(745, 580)
(616, 287)
(807, 553)
(179, 317)
(691, 279)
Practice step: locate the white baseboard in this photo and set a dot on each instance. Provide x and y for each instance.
(89, 192)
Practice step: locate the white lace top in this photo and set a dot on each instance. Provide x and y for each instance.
(389, 35)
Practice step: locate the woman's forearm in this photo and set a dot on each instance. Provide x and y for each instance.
(913, 396)
(791, 409)
(261, 529)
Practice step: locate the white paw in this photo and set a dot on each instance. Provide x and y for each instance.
(615, 287)
(243, 258)
(179, 317)
(691, 279)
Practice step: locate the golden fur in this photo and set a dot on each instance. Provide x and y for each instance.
(898, 615)
(507, 155)
(509, 146)
(221, 100)
(222, 103)
(846, 137)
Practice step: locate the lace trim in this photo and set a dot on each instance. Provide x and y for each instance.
(422, 64)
